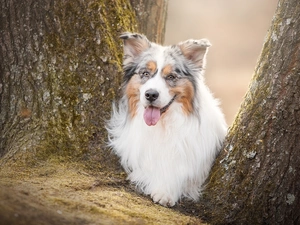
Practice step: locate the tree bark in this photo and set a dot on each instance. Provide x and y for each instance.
(60, 69)
(151, 17)
(255, 179)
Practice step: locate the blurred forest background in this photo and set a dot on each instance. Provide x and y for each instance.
(236, 30)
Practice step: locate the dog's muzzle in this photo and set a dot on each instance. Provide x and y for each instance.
(163, 109)
(151, 95)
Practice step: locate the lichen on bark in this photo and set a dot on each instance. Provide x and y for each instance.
(256, 172)
(73, 73)
(60, 70)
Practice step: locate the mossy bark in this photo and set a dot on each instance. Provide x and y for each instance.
(60, 71)
(255, 179)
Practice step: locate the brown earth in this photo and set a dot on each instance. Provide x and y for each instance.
(57, 192)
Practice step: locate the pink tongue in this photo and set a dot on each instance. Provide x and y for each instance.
(151, 115)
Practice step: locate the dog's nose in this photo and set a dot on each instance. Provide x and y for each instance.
(151, 95)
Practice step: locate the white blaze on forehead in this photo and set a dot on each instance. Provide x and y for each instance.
(140, 54)
(157, 82)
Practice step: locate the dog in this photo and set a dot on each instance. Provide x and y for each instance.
(167, 128)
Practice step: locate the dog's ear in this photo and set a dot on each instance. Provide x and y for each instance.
(134, 45)
(195, 51)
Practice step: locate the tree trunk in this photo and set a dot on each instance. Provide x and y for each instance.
(60, 69)
(151, 18)
(255, 179)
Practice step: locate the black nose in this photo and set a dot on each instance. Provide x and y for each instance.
(151, 95)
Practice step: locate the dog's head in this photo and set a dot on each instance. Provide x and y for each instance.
(156, 76)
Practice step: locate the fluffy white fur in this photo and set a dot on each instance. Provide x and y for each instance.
(173, 158)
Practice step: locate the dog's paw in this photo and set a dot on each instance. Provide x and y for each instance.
(163, 199)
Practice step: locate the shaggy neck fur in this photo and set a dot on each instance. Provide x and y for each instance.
(172, 158)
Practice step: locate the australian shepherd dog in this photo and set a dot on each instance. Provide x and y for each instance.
(167, 128)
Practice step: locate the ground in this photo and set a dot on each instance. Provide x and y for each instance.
(57, 192)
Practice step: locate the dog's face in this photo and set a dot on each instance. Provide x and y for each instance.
(157, 76)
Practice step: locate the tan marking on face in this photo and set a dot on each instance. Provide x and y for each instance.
(167, 70)
(185, 94)
(151, 66)
(133, 94)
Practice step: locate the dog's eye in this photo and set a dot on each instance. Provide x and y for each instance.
(171, 77)
(145, 74)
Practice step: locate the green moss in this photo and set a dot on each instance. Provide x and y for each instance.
(83, 72)
(72, 195)
(233, 169)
